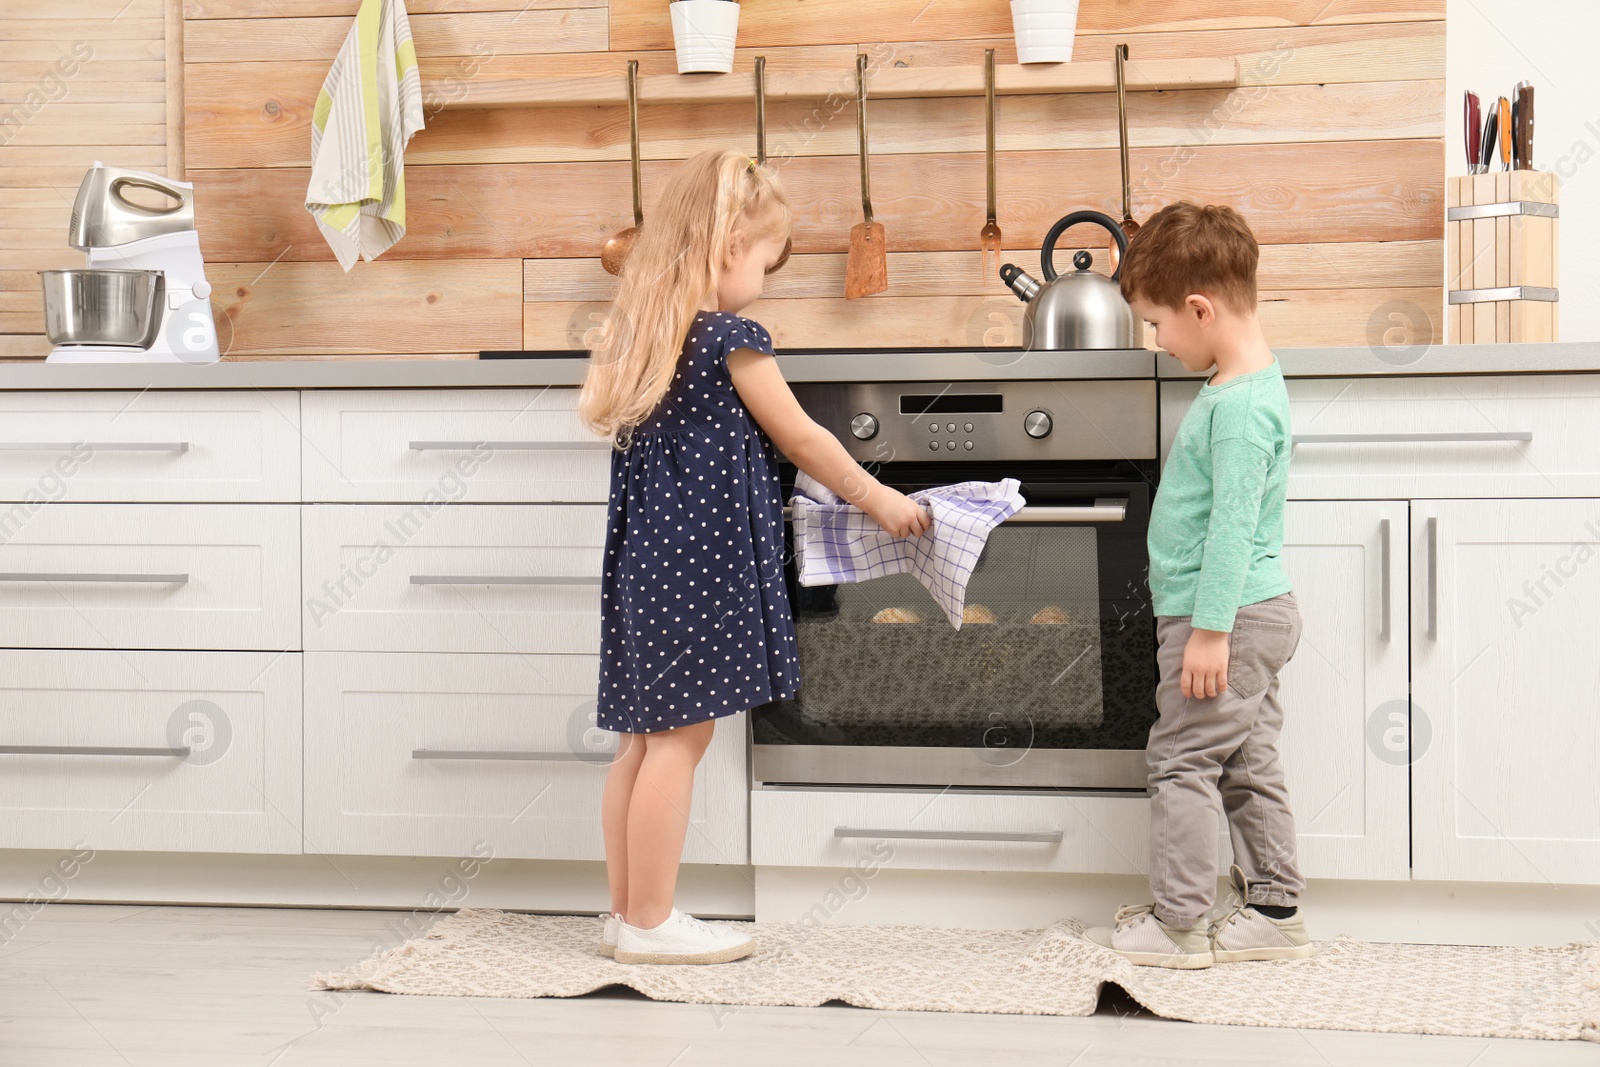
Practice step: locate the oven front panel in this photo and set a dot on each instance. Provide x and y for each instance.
(1053, 664)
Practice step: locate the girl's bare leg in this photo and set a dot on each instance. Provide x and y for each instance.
(658, 819)
(614, 815)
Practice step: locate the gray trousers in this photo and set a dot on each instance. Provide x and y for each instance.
(1216, 757)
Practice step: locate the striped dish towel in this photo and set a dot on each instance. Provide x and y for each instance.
(835, 542)
(369, 107)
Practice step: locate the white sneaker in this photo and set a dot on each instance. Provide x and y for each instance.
(1245, 934)
(681, 939)
(1145, 940)
(608, 934)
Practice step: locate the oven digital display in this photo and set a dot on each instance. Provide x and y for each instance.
(951, 403)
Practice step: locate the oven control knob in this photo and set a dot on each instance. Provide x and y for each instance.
(1037, 424)
(864, 426)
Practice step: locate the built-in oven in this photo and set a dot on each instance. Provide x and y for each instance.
(1049, 683)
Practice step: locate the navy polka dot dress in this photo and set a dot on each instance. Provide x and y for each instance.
(694, 614)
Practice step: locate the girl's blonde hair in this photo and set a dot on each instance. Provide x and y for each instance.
(711, 200)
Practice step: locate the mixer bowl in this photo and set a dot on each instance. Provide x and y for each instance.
(103, 307)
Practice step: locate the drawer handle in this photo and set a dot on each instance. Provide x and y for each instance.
(1052, 836)
(504, 579)
(95, 446)
(1099, 511)
(498, 754)
(505, 446)
(1407, 438)
(90, 750)
(153, 579)
(1385, 597)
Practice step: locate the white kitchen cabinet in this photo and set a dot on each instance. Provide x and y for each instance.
(480, 445)
(431, 754)
(151, 445)
(158, 751)
(1506, 682)
(1348, 778)
(522, 578)
(183, 576)
(1408, 438)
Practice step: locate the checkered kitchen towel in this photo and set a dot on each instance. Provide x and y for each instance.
(835, 542)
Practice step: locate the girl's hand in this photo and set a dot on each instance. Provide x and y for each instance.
(898, 513)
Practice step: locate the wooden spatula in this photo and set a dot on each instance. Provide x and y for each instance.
(866, 271)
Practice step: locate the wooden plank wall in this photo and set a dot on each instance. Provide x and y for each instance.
(1332, 147)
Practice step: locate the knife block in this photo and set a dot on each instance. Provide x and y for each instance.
(1502, 249)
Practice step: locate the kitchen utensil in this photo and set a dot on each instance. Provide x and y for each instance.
(102, 307)
(989, 236)
(761, 146)
(1129, 227)
(616, 249)
(1503, 106)
(1080, 310)
(1491, 127)
(867, 267)
(1522, 125)
(1472, 131)
(142, 294)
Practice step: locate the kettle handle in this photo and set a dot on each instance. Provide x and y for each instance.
(1048, 252)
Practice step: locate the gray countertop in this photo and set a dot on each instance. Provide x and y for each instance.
(942, 365)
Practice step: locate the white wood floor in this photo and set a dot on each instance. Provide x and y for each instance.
(86, 985)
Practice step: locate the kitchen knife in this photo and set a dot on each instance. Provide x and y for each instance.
(1524, 126)
(1491, 124)
(1471, 131)
(1503, 109)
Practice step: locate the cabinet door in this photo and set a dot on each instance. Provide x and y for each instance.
(1505, 677)
(1344, 692)
(426, 754)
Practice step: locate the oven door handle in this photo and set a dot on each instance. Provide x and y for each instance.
(1107, 510)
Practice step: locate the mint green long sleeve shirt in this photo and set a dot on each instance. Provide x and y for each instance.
(1216, 527)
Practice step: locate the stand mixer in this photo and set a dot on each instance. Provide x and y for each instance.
(142, 296)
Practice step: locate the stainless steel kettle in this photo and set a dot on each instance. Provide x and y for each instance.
(1080, 310)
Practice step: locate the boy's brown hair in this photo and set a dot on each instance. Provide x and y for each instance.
(1192, 248)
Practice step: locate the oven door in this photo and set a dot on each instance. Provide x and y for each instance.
(1049, 683)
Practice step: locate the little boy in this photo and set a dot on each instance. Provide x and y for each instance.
(1226, 621)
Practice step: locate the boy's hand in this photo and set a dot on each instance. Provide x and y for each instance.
(1205, 664)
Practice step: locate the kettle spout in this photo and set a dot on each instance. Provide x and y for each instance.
(1017, 278)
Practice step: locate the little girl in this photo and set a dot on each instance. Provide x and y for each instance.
(694, 613)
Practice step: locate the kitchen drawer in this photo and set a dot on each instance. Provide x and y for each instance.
(1407, 438)
(201, 576)
(149, 446)
(1098, 834)
(428, 755)
(453, 578)
(491, 445)
(237, 789)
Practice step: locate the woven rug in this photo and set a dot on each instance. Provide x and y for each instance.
(1549, 993)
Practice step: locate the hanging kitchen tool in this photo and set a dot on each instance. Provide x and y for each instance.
(989, 236)
(866, 269)
(761, 145)
(1128, 225)
(616, 250)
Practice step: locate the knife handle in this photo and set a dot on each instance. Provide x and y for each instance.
(1469, 115)
(1524, 125)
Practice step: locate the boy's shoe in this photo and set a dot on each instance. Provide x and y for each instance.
(1246, 934)
(1145, 940)
(681, 939)
(608, 934)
